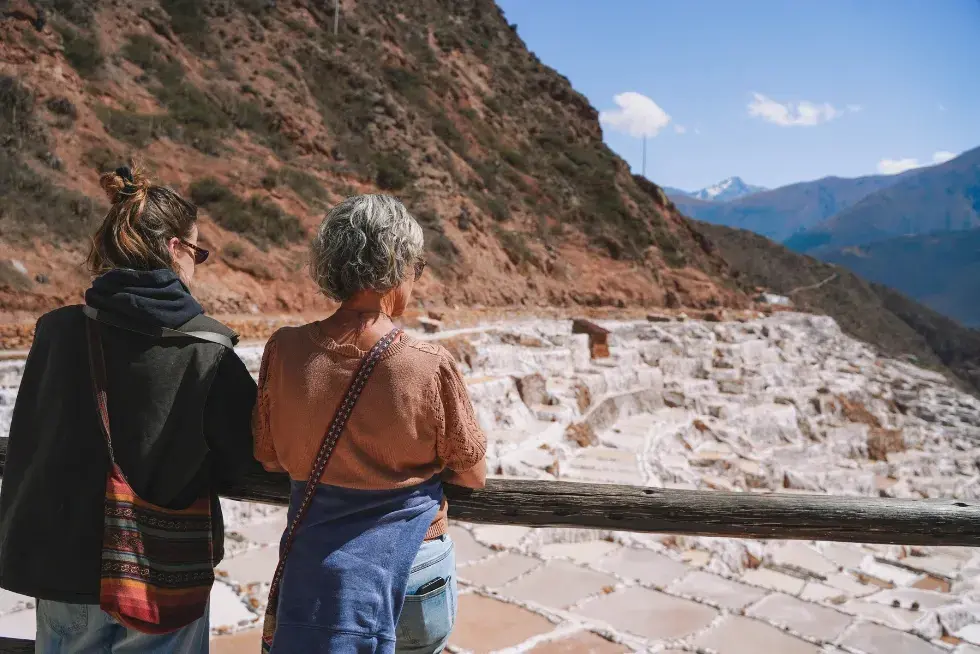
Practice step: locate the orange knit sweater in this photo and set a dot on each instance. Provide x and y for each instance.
(413, 420)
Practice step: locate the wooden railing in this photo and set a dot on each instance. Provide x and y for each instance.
(688, 512)
(693, 513)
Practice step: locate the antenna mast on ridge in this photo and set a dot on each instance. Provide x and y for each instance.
(644, 173)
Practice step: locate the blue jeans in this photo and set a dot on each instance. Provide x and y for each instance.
(427, 620)
(86, 629)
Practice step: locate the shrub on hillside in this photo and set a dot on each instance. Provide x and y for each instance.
(304, 184)
(61, 106)
(189, 21)
(516, 248)
(257, 219)
(498, 209)
(32, 206)
(393, 173)
(81, 50)
(101, 159)
(136, 129)
(17, 123)
(514, 158)
(441, 250)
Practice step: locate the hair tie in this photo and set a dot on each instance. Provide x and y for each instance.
(129, 186)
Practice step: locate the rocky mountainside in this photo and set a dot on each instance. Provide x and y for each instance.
(940, 270)
(945, 197)
(780, 213)
(265, 117)
(897, 326)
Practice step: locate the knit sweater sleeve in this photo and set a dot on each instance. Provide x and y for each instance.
(264, 446)
(462, 445)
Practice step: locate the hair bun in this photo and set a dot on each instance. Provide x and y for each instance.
(123, 183)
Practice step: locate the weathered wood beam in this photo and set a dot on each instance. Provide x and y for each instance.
(694, 513)
(16, 646)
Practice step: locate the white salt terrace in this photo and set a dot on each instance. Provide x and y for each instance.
(780, 404)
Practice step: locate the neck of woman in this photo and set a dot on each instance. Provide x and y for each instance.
(362, 320)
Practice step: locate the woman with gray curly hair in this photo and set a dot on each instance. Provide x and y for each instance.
(366, 563)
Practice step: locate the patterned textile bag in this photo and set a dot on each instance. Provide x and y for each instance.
(157, 568)
(319, 465)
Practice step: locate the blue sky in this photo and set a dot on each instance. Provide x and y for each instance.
(887, 84)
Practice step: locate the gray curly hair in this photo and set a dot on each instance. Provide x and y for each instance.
(367, 242)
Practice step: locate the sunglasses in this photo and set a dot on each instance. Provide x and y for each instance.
(200, 254)
(419, 267)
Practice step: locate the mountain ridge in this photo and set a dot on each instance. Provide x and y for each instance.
(782, 212)
(942, 197)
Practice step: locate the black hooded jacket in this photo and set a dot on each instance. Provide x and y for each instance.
(180, 411)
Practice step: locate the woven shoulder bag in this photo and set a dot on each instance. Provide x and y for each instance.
(157, 568)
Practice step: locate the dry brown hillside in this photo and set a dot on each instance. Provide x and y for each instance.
(264, 117)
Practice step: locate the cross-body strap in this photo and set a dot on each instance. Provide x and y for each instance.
(156, 332)
(327, 446)
(96, 364)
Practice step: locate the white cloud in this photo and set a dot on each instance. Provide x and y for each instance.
(895, 166)
(792, 114)
(942, 107)
(697, 131)
(637, 115)
(680, 129)
(855, 108)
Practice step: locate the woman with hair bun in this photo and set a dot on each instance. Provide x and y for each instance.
(132, 410)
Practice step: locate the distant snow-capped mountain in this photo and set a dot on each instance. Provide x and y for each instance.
(725, 190)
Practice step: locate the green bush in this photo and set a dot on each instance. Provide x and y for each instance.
(393, 173)
(81, 50)
(190, 22)
(516, 248)
(257, 219)
(445, 129)
(138, 130)
(17, 123)
(304, 184)
(144, 51)
(101, 159)
(498, 209)
(233, 250)
(270, 180)
(514, 158)
(32, 206)
(79, 12)
(191, 107)
(407, 84)
(210, 191)
(61, 106)
(440, 247)
(493, 104)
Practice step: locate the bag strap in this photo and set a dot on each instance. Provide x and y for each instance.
(96, 361)
(156, 332)
(327, 446)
